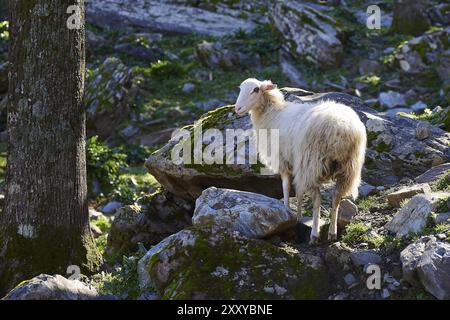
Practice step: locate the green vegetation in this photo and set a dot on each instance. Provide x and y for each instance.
(111, 168)
(103, 163)
(443, 184)
(356, 233)
(104, 225)
(124, 282)
(366, 204)
(4, 33)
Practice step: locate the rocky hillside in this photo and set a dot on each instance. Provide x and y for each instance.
(165, 230)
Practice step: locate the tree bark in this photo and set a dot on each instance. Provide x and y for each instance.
(45, 224)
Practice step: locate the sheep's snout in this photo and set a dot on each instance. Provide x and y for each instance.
(240, 111)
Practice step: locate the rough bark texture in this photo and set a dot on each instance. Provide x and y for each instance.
(44, 227)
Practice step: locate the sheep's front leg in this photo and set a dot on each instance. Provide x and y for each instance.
(286, 184)
(316, 217)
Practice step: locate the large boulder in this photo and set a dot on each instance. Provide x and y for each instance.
(150, 220)
(163, 16)
(46, 287)
(308, 33)
(393, 152)
(109, 90)
(426, 262)
(215, 264)
(253, 215)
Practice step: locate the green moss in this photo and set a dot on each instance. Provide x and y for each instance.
(382, 147)
(257, 263)
(45, 252)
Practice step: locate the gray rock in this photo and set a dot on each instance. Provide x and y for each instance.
(395, 111)
(111, 207)
(129, 131)
(140, 52)
(46, 287)
(93, 40)
(193, 259)
(188, 87)
(289, 70)
(441, 13)
(347, 210)
(349, 279)
(149, 37)
(151, 219)
(391, 152)
(154, 138)
(309, 34)
(253, 215)
(367, 67)
(109, 90)
(365, 189)
(426, 262)
(338, 259)
(420, 53)
(419, 106)
(216, 55)
(3, 77)
(395, 198)
(365, 257)
(443, 217)
(434, 174)
(423, 130)
(392, 99)
(163, 16)
(412, 217)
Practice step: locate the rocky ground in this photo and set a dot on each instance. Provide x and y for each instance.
(165, 230)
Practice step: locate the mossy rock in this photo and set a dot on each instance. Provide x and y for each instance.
(232, 267)
(391, 151)
(149, 221)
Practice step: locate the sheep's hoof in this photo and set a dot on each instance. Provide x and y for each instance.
(332, 237)
(314, 240)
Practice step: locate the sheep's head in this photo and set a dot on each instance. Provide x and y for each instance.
(251, 95)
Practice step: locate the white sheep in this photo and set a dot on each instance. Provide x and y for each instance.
(318, 143)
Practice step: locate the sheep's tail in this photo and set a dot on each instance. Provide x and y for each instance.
(351, 170)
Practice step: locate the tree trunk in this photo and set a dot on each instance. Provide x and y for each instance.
(44, 227)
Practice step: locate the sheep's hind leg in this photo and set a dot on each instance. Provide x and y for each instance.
(314, 239)
(286, 184)
(299, 205)
(337, 197)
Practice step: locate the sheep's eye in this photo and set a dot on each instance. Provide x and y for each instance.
(256, 90)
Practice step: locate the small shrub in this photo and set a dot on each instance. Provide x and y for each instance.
(356, 233)
(103, 164)
(166, 69)
(124, 282)
(104, 225)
